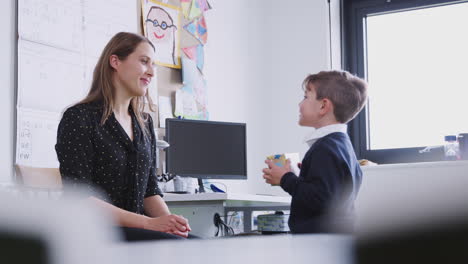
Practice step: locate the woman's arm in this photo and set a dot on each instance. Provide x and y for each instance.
(164, 223)
(156, 207)
(123, 217)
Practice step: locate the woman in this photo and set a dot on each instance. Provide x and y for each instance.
(106, 141)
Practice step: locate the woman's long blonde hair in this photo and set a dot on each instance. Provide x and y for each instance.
(102, 87)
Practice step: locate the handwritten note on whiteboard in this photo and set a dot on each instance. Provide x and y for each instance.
(56, 23)
(36, 138)
(48, 79)
(103, 19)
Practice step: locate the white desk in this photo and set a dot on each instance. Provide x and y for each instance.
(296, 249)
(200, 208)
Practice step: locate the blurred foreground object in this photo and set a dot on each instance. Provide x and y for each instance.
(414, 219)
(45, 231)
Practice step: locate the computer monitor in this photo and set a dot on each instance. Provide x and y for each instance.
(206, 149)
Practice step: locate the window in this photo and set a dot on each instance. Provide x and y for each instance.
(414, 55)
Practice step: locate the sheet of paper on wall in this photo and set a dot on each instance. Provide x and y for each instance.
(193, 80)
(36, 137)
(201, 98)
(161, 25)
(197, 8)
(190, 72)
(165, 110)
(185, 5)
(196, 54)
(191, 103)
(44, 71)
(200, 58)
(100, 27)
(204, 5)
(198, 29)
(186, 106)
(194, 87)
(53, 23)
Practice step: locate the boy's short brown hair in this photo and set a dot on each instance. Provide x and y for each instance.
(347, 92)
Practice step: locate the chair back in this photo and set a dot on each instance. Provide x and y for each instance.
(41, 178)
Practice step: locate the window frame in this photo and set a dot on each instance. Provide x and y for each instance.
(354, 60)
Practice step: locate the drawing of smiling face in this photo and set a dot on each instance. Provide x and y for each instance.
(161, 32)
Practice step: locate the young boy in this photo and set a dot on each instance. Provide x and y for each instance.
(324, 192)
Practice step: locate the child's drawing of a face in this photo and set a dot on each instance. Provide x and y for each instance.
(161, 32)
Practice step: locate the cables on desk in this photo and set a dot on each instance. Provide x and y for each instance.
(165, 177)
(222, 228)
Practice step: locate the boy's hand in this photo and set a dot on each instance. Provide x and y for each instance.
(274, 173)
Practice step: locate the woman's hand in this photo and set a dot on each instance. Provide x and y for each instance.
(174, 224)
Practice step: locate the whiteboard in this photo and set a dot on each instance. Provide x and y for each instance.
(55, 23)
(49, 79)
(59, 44)
(36, 137)
(103, 19)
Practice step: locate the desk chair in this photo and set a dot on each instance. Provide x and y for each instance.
(36, 181)
(42, 178)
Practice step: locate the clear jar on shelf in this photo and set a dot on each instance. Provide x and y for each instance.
(451, 150)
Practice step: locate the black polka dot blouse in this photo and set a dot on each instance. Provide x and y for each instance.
(104, 157)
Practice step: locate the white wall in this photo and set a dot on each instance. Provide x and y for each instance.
(236, 76)
(299, 38)
(258, 53)
(7, 84)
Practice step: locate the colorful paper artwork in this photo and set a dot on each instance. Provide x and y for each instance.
(204, 5)
(187, 105)
(191, 100)
(161, 23)
(196, 54)
(198, 29)
(185, 5)
(194, 8)
(195, 11)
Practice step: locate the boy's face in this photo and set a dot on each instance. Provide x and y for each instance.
(310, 108)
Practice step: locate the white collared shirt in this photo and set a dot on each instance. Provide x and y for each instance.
(316, 134)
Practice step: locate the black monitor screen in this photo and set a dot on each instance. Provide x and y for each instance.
(206, 149)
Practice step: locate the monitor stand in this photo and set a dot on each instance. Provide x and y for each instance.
(201, 188)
